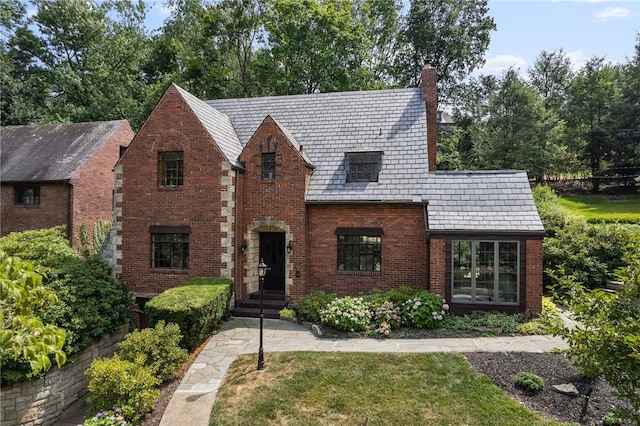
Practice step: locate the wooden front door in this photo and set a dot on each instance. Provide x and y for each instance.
(272, 251)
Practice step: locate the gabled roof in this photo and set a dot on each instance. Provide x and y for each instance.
(292, 139)
(481, 201)
(50, 153)
(327, 125)
(216, 124)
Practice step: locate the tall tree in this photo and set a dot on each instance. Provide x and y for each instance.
(522, 135)
(591, 95)
(451, 35)
(550, 75)
(381, 22)
(311, 46)
(80, 61)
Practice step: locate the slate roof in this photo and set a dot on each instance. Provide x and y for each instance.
(481, 201)
(327, 125)
(50, 153)
(216, 124)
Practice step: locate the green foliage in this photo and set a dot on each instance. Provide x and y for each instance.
(24, 334)
(530, 381)
(309, 307)
(589, 252)
(157, 348)
(387, 313)
(88, 302)
(423, 310)
(196, 305)
(397, 296)
(612, 419)
(114, 382)
(606, 340)
(100, 233)
(548, 322)
(347, 314)
(91, 303)
(46, 249)
(287, 313)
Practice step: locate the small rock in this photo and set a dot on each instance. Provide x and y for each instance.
(567, 389)
(316, 330)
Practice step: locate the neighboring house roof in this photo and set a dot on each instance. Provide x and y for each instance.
(483, 201)
(48, 153)
(327, 125)
(217, 125)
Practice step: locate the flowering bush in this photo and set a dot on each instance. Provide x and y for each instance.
(424, 310)
(387, 313)
(347, 314)
(107, 418)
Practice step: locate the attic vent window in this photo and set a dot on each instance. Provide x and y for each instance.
(363, 166)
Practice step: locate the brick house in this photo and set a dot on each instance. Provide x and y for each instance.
(59, 174)
(335, 191)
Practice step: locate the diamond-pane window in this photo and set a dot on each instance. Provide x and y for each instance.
(363, 166)
(268, 166)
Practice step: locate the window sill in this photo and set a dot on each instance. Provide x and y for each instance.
(169, 271)
(359, 272)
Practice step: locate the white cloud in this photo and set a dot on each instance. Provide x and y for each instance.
(577, 59)
(500, 63)
(32, 12)
(166, 10)
(607, 13)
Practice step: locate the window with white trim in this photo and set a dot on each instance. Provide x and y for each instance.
(486, 272)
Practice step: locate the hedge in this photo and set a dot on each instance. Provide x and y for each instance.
(196, 305)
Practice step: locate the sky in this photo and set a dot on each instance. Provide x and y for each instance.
(583, 29)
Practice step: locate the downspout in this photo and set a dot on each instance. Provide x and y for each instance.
(69, 210)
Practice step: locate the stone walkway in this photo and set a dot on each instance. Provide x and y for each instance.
(196, 394)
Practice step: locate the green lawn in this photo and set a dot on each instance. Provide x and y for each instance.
(328, 388)
(623, 208)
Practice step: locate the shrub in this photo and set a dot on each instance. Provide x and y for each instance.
(89, 302)
(157, 348)
(606, 341)
(424, 310)
(529, 381)
(287, 313)
(387, 313)
(347, 314)
(196, 305)
(114, 382)
(308, 307)
(548, 322)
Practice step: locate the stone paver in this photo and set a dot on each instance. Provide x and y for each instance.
(196, 393)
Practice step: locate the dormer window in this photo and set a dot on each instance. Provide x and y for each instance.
(363, 166)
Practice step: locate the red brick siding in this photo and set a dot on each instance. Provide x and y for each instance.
(272, 205)
(404, 249)
(534, 268)
(438, 265)
(197, 204)
(91, 195)
(53, 209)
(93, 185)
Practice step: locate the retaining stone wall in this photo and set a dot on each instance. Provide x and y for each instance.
(42, 401)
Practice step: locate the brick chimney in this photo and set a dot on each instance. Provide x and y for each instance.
(430, 96)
